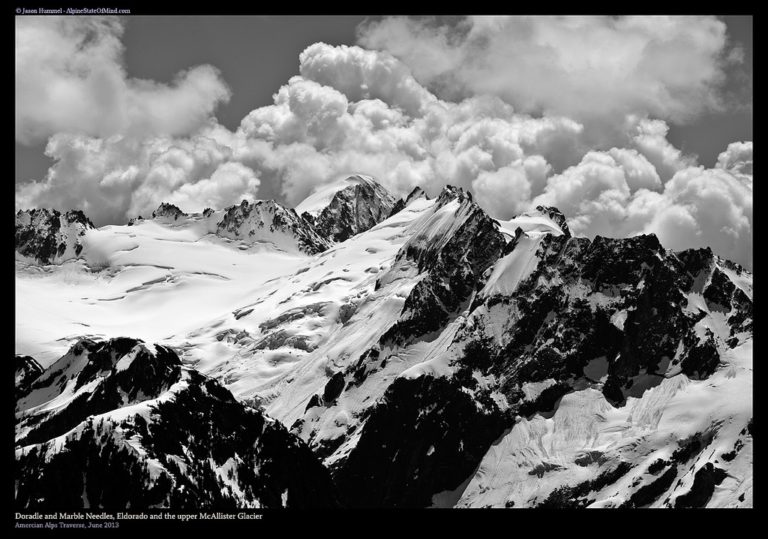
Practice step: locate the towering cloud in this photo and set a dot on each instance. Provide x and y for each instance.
(617, 193)
(599, 151)
(582, 67)
(361, 74)
(119, 177)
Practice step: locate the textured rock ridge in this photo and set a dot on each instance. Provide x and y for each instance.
(354, 209)
(123, 425)
(50, 237)
(268, 221)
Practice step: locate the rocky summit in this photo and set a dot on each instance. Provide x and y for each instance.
(124, 425)
(270, 221)
(49, 237)
(354, 209)
(368, 351)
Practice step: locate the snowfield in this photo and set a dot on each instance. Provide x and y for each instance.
(585, 425)
(181, 286)
(151, 281)
(470, 362)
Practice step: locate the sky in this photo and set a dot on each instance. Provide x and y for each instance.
(627, 124)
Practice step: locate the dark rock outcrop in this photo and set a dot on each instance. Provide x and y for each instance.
(453, 260)
(269, 221)
(168, 211)
(139, 431)
(27, 371)
(50, 237)
(425, 436)
(354, 209)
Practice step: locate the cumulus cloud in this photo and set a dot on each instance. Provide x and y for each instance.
(584, 67)
(737, 158)
(697, 207)
(362, 74)
(70, 78)
(707, 207)
(314, 133)
(353, 110)
(120, 177)
(507, 191)
(649, 137)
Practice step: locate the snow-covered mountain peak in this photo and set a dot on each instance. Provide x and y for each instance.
(438, 357)
(269, 222)
(360, 204)
(127, 426)
(451, 193)
(362, 179)
(92, 377)
(48, 236)
(416, 193)
(27, 369)
(542, 220)
(168, 212)
(322, 195)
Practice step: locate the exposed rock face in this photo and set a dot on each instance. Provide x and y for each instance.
(424, 436)
(415, 194)
(399, 205)
(168, 212)
(126, 426)
(626, 301)
(354, 209)
(50, 237)
(547, 318)
(27, 371)
(557, 216)
(444, 359)
(267, 221)
(456, 246)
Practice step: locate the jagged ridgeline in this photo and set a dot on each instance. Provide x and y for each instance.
(412, 353)
(122, 424)
(353, 209)
(49, 236)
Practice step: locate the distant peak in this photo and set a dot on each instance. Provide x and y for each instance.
(344, 210)
(46, 214)
(322, 195)
(77, 216)
(451, 192)
(360, 178)
(169, 211)
(50, 237)
(366, 184)
(271, 222)
(416, 193)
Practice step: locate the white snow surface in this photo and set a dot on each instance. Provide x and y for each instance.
(150, 281)
(274, 324)
(268, 324)
(271, 326)
(640, 432)
(510, 270)
(532, 223)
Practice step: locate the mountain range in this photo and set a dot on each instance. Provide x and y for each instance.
(361, 350)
